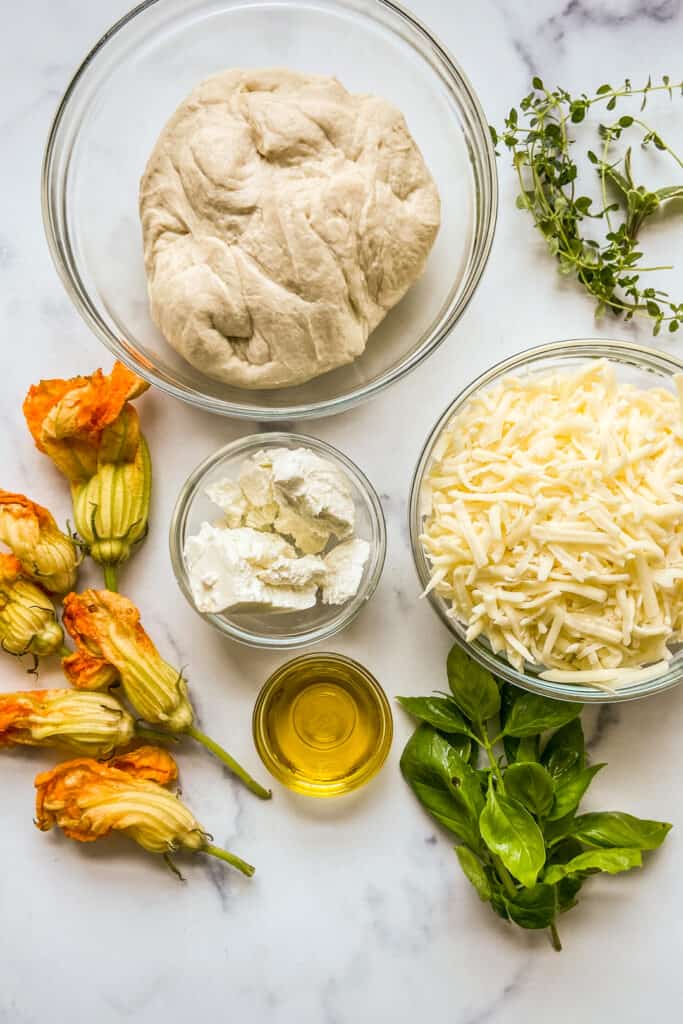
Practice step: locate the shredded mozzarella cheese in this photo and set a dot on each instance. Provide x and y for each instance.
(553, 522)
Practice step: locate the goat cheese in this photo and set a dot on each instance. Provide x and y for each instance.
(344, 570)
(248, 569)
(267, 553)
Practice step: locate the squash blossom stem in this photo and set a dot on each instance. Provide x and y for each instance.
(112, 646)
(230, 762)
(111, 577)
(230, 858)
(146, 732)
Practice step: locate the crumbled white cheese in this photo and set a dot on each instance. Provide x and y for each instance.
(554, 522)
(229, 497)
(244, 561)
(238, 569)
(308, 534)
(313, 487)
(256, 482)
(294, 571)
(344, 570)
(298, 493)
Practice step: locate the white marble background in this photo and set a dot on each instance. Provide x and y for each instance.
(358, 912)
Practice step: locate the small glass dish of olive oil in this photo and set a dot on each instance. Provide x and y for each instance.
(322, 725)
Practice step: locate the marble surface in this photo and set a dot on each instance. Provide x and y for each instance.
(358, 912)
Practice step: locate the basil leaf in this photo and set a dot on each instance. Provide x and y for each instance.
(609, 861)
(615, 829)
(444, 783)
(567, 891)
(474, 870)
(565, 851)
(557, 831)
(527, 748)
(511, 833)
(474, 689)
(441, 712)
(532, 713)
(508, 696)
(531, 785)
(569, 790)
(565, 751)
(498, 902)
(533, 908)
(448, 810)
(462, 745)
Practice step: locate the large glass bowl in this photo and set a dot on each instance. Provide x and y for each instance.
(132, 81)
(281, 630)
(642, 367)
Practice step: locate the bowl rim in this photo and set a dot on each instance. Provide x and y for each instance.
(624, 352)
(349, 611)
(60, 248)
(374, 763)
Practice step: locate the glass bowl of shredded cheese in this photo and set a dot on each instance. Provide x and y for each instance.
(546, 520)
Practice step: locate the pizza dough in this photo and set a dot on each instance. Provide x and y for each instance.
(282, 218)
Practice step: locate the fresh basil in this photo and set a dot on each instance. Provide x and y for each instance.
(508, 695)
(498, 902)
(570, 789)
(558, 831)
(528, 748)
(474, 690)
(531, 714)
(441, 712)
(614, 829)
(565, 751)
(533, 908)
(473, 868)
(514, 811)
(444, 783)
(567, 891)
(511, 834)
(463, 746)
(609, 861)
(567, 888)
(531, 785)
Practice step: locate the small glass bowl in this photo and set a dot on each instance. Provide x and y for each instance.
(308, 725)
(281, 630)
(642, 367)
(129, 85)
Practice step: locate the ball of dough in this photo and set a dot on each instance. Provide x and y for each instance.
(282, 217)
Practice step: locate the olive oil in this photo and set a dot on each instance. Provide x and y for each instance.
(322, 725)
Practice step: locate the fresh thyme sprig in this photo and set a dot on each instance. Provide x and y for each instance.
(539, 139)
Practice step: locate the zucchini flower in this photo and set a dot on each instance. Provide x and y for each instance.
(28, 620)
(92, 724)
(152, 763)
(88, 800)
(111, 645)
(91, 432)
(47, 555)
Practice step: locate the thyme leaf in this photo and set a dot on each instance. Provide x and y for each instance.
(539, 138)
